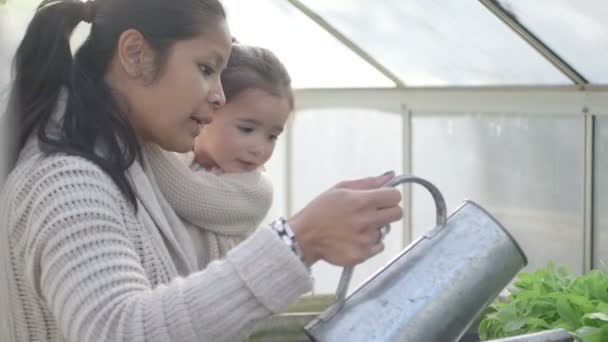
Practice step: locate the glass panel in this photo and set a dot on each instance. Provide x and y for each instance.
(439, 42)
(525, 170)
(275, 169)
(313, 57)
(576, 30)
(600, 219)
(339, 144)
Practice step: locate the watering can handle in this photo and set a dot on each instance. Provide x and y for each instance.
(347, 272)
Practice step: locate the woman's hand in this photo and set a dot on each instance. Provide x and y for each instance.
(341, 226)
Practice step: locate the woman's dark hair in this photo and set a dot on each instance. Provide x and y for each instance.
(251, 67)
(93, 126)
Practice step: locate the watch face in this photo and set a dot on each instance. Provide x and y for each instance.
(287, 236)
(287, 240)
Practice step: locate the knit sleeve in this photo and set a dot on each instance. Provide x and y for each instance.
(81, 261)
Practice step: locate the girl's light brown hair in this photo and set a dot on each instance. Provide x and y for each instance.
(251, 67)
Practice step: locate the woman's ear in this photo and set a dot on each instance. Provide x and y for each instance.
(135, 55)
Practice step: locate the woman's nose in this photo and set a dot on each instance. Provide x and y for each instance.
(217, 97)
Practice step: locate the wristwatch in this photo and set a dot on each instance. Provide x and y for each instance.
(286, 234)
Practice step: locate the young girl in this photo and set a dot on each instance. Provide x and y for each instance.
(95, 252)
(229, 155)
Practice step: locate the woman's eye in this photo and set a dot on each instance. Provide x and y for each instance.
(245, 129)
(273, 137)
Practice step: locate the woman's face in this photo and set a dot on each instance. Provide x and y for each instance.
(243, 133)
(170, 110)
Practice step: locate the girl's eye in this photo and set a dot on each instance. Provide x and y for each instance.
(273, 137)
(245, 129)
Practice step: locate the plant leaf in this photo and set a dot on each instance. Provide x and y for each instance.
(566, 312)
(514, 325)
(589, 334)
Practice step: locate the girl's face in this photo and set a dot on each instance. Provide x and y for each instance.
(243, 133)
(170, 110)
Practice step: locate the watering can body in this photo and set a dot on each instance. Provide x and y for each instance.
(434, 289)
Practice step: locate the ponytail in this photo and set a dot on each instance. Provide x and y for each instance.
(42, 67)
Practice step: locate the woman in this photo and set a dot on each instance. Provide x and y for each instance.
(96, 253)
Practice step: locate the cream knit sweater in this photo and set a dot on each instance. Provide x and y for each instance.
(84, 266)
(223, 209)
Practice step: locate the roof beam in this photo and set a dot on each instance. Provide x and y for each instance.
(346, 41)
(534, 41)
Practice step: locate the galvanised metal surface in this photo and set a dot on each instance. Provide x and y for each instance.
(434, 289)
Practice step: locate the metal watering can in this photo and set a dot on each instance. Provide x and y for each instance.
(434, 289)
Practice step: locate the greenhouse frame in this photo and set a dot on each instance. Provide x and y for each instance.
(503, 102)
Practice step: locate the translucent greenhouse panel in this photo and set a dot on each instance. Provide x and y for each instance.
(576, 30)
(526, 170)
(339, 144)
(439, 42)
(276, 170)
(600, 219)
(313, 57)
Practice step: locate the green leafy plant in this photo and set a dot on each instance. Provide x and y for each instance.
(551, 298)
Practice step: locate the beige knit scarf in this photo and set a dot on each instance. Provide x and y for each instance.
(225, 208)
